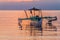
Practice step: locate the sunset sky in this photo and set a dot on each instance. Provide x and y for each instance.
(25, 4)
(13, 0)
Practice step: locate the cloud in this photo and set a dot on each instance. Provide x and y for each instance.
(22, 4)
(27, 5)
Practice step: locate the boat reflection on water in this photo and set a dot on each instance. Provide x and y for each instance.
(34, 33)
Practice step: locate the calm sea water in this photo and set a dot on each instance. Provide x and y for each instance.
(9, 29)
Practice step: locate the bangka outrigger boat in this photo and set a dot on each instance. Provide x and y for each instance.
(36, 20)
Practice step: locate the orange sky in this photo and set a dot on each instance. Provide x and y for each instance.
(13, 0)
